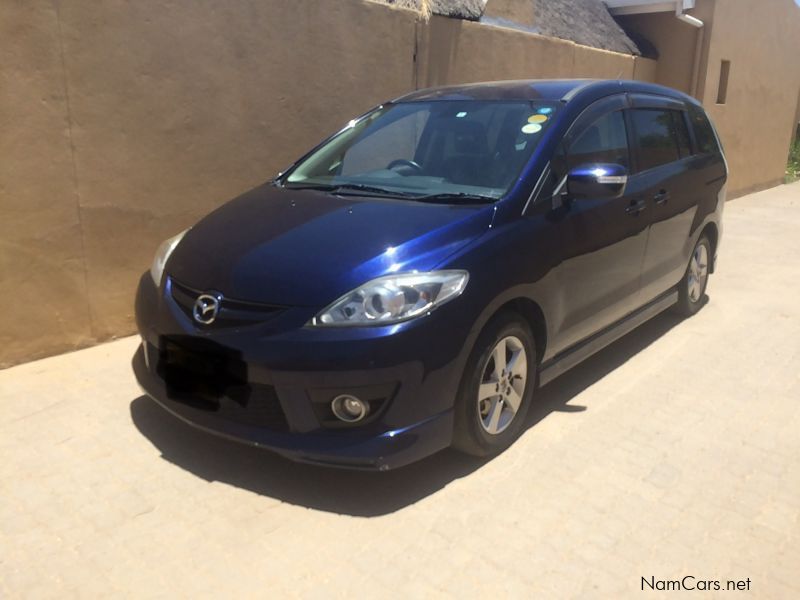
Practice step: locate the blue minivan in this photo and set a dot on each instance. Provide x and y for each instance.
(409, 283)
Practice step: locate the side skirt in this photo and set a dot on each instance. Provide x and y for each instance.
(570, 357)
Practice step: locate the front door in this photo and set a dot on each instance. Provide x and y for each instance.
(602, 240)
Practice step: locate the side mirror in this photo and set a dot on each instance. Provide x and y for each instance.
(597, 180)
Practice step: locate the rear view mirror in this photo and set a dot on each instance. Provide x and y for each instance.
(597, 180)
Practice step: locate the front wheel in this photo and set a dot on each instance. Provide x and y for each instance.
(692, 287)
(496, 388)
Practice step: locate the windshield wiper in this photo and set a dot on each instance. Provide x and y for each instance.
(461, 197)
(371, 189)
(346, 187)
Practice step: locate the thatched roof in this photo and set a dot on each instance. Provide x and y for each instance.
(460, 9)
(586, 22)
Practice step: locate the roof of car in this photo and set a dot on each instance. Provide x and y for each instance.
(538, 89)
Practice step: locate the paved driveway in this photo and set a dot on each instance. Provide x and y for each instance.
(675, 452)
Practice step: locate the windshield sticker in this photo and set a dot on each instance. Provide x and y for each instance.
(531, 128)
(537, 119)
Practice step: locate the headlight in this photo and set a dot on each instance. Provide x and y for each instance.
(392, 299)
(162, 254)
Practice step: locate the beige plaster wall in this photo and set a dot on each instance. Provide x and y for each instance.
(755, 124)
(42, 270)
(122, 123)
(454, 51)
(675, 41)
(645, 69)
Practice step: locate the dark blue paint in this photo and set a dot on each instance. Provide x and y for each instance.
(299, 247)
(584, 264)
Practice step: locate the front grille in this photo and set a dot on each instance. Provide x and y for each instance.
(207, 376)
(257, 405)
(232, 313)
(260, 408)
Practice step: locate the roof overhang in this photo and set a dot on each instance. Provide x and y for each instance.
(635, 7)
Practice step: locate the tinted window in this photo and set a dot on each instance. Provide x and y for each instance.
(655, 138)
(703, 133)
(604, 141)
(380, 146)
(424, 148)
(682, 133)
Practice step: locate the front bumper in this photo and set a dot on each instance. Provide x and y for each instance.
(414, 371)
(387, 450)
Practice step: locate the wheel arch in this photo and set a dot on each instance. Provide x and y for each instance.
(534, 316)
(712, 232)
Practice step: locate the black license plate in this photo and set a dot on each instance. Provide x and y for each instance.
(199, 371)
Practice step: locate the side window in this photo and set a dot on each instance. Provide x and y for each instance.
(654, 137)
(703, 133)
(604, 141)
(682, 133)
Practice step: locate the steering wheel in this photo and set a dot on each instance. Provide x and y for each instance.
(402, 162)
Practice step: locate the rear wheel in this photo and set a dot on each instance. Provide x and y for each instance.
(692, 289)
(496, 388)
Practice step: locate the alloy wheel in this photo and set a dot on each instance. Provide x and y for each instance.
(698, 272)
(502, 385)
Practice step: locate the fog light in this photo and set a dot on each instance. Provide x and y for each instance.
(349, 408)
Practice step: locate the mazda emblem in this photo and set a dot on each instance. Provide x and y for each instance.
(206, 308)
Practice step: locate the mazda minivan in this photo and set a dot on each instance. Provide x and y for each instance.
(409, 283)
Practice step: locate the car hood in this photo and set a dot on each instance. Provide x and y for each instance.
(306, 247)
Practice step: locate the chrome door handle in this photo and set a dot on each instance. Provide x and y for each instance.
(661, 197)
(636, 207)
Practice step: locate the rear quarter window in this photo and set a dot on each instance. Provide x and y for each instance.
(682, 133)
(703, 132)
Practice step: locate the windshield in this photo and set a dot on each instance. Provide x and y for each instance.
(442, 150)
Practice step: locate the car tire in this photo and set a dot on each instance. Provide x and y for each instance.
(493, 402)
(692, 288)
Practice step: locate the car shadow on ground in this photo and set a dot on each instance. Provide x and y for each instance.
(362, 493)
